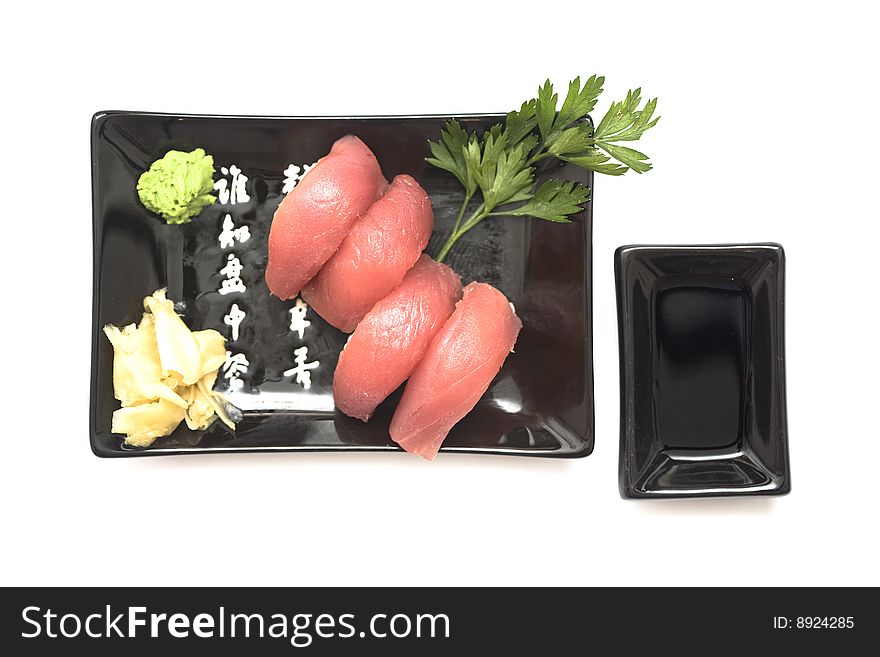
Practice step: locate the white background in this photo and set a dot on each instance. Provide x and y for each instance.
(769, 132)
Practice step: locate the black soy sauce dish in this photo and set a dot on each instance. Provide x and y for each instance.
(540, 404)
(702, 371)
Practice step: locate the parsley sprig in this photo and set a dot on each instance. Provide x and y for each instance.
(500, 163)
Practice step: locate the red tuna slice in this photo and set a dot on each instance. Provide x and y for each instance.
(381, 247)
(392, 338)
(318, 213)
(459, 365)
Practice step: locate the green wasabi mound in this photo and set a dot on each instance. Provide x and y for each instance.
(178, 186)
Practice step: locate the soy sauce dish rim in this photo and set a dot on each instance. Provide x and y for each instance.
(768, 255)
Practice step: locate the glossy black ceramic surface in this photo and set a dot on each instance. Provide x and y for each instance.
(702, 370)
(541, 404)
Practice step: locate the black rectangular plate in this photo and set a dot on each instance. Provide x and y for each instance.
(541, 404)
(702, 370)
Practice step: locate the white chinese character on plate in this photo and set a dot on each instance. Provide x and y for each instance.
(232, 272)
(233, 320)
(298, 321)
(234, 192)
(233, 368)
(293, 175)
(230, 233)
(300, 371)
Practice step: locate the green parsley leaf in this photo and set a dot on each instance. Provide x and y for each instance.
(630, 157)
(504, 178)
(555, 200)
(597, 161)
(545, 109)
(524, 193)
(449, 154)
(572, 140)
(500, 163)
(624, 121)
(579, 101)
(519, 124)
(472, 154)
(494, 143)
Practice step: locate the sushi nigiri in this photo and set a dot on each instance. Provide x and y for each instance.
(318, 213)
(373, 259)
(458, 367)
(392, 338)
